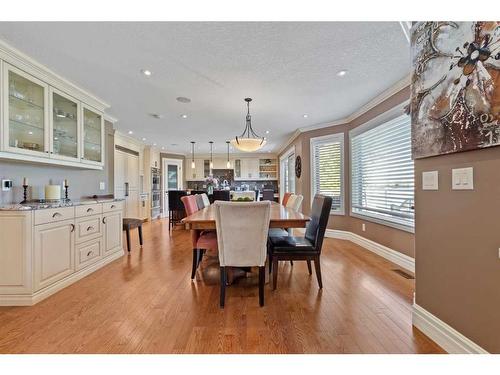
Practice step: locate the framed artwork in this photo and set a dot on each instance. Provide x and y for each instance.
(455, 84)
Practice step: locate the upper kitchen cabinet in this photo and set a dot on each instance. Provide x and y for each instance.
(65, 124)
(93, 136)
(26, 129)
(45, 118)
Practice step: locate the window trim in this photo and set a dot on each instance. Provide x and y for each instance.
(284, 156)
(335, 137)
(381, 119)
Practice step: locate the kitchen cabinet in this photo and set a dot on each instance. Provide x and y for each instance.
(126, 168)
(53, 252)
(46, 119)
(48, 249)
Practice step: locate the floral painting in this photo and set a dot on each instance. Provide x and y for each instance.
(455, 101)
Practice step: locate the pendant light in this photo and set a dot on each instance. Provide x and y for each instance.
(228, 164)
(192, 155)
(211, 155)
(248, 141)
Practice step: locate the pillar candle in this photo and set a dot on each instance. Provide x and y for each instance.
(52, 192)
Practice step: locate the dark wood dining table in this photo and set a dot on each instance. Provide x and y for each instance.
(281, 217)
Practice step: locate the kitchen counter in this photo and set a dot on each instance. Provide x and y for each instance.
(30, 206)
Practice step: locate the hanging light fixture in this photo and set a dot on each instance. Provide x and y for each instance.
(211, 155)
(192, 155)
(248, 141)
(228, 164)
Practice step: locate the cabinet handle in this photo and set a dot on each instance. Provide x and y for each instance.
(113, 206)
(56, 214)
(104, 220)
(90, 253)
(72, 227)
(90, 228)
(90, 210)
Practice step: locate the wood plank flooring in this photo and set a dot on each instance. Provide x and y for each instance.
(146, 303)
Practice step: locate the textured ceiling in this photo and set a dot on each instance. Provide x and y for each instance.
(287, 68)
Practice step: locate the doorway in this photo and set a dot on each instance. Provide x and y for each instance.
(172, 180)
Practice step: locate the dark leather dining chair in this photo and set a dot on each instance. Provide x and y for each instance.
(268, 195)
(306, 248)
(176, 210)
(221, 195)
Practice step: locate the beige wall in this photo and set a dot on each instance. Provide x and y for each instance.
(393, 238)
(457, 242)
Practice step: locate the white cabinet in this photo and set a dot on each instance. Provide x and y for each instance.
(48, 249)
(112, 232)
(53, 252)
(45, 119)
(249, 168)
(127, 181)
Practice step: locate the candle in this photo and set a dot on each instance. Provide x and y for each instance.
(52, 192)
(25, 181)
(66, 183)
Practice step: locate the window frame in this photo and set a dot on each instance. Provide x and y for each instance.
(330, 138)
(387, 116)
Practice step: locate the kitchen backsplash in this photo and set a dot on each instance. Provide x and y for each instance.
(252, 185)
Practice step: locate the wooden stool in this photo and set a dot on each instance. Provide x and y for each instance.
(131, 223)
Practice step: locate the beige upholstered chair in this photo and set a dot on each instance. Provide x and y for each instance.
(295, 201)
(206, 201)
(242, 239)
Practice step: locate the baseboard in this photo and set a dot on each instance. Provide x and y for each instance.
(402, 260)
(442, 334)
(31, 299)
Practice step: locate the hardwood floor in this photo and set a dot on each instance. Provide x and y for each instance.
(147, 303)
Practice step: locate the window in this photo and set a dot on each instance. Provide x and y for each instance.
(382, 180)
(327, 168)
(287, 168)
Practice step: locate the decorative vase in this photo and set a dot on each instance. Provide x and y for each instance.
(210, 189)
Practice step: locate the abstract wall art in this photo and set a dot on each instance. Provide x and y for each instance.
(455, 87)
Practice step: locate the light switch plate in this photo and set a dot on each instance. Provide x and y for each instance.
(430, 180)
(462, 178)
(102, 186)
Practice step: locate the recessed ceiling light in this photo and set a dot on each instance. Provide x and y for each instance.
(184, 116)
(146, 72)
(30, 132)
(156, 115)
(154, 144)
(305, 115)
(163, 148)
(341, 73)
(143, 139)
(183, 99)
(267, 131)
(130, 132)
(174, 144)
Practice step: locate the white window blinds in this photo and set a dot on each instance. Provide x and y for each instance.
(382, 172)
(327, 156)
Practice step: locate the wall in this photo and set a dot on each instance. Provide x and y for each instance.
(83, 182)
(457, 242)
(393, 238)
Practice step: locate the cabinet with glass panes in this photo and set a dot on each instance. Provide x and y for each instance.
(93, 139)
(65, 123)
(25, 113)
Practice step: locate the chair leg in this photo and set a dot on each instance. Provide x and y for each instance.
(127, 231)
(200, 257)
(222, 286)
(139, 228)
(195, 263)
(262, 281)
(291, 263)
(317, 267)
(309, 266)
(275, 272)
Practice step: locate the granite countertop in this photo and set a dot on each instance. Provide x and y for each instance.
(57, 204)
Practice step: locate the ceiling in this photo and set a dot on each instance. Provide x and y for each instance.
(288, 68)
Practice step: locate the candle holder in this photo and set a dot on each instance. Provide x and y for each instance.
(25, 194)
(66, 192)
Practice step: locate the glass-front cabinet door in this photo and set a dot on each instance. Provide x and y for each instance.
(64, 126)
(93, 136)
(25, 113)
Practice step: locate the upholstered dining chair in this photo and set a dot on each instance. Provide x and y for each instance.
(242, 237)
(285, 198)
(201, 240)
(306, 248)
(294, 201)
(206, 201)
(199, 202)
(268, 195)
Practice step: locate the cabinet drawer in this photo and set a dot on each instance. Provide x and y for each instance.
(88, 253)
(88, 210)
(52, 215)
(88, 228)
(112, 206)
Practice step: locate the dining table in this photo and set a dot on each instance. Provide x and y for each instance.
(280, 217)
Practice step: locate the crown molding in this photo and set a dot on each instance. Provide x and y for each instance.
(24, 62)
(109, 118)
(394, 89)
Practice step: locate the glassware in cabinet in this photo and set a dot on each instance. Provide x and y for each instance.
(65, 122)
(92, 136)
